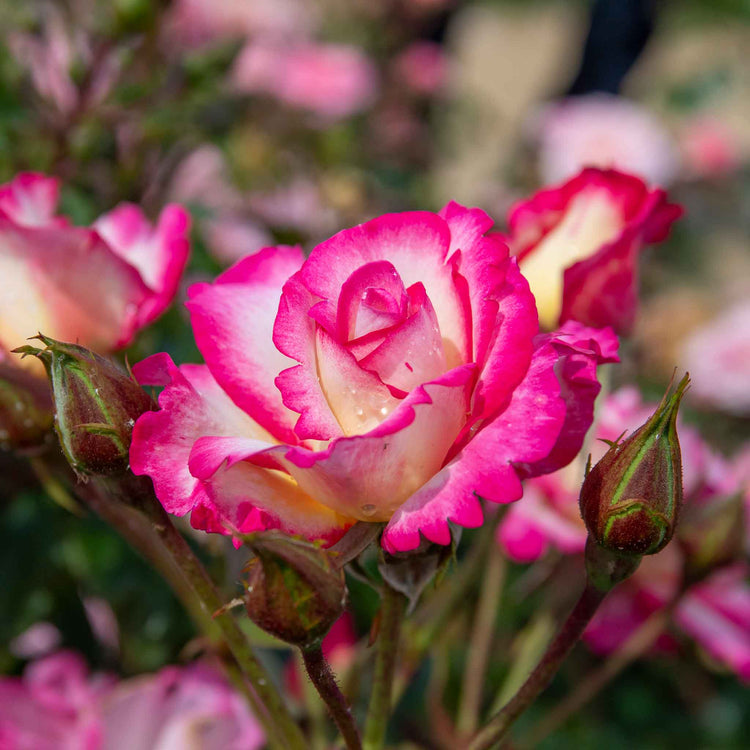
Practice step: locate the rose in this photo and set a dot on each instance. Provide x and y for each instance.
(578, 245)
(395, 375)
(96, 286)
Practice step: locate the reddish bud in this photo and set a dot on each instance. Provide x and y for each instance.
(631, 499)
(294, 590)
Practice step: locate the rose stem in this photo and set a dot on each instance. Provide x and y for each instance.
(324, 681)
(480, 642)
(266, 701)
(499, 725)
(640, 641)
(392, 608)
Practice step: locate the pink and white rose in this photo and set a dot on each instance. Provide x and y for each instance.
(94, 285)
(394, 375)
(578, 245)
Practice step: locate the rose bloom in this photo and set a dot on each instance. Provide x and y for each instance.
(601, 130)
(329, 80)
(58, 705)
(394, 375)
(95, 285)
(578, 245)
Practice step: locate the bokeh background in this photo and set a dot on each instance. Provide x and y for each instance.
(287, 120)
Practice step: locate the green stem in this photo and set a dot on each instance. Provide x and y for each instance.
(499, 725)
(278, 720)
(392, 609)
(120, 497)
(640, 641)
(480, 642)
(322, 678)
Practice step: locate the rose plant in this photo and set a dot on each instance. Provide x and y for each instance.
(395, 375)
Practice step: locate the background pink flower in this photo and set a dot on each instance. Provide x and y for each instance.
(394, 375)
(58, 705)
(330, 80)
(605, 131)
(96, 286)
(718, 358)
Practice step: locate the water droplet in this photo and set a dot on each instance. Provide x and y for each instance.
(368, 509)
(384, 411)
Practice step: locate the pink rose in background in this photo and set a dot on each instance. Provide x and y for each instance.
(422, 66)
(95, 286)
(178, 707)
(58, 705)
(605, 131)
(718, 358)
(330, 80)
(715, 612)
(578, 245)
(549, 514)
(54, 706)
(394, 375)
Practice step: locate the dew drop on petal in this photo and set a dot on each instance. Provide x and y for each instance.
(368, 509)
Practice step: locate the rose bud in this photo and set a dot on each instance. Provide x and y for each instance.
(25, 410)
(712, 535)
(294, 591)
(96, 405)
(631, 499)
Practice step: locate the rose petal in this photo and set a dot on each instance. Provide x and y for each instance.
(158, 253)
(30, 200)
(192, 405)
(67, 283)
(369, 476)
(233, 320)
(416, 244)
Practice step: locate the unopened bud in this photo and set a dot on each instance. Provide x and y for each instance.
(712, 534)
(96, 405)
(294, 590)
(631, 499)
(411, 572)
(25, 409)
